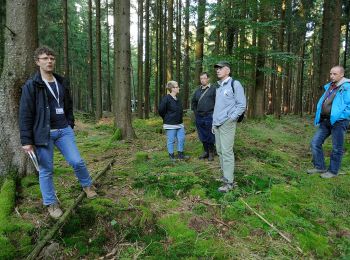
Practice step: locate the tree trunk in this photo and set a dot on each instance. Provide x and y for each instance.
(169, 47)
(20, 43)
(98, 62)
(2, 30)
(251, 94)
(260, 63)
(140, 61)
(330, 43)
(186, 65)
(122, 67)
(157, 24)
(90, 63)
(280, 65)
(178, 42)
(147, 62)
(199, 40)
(108, 76)
(164, 50)
(230, 27)
(217, 29)
(65, 40)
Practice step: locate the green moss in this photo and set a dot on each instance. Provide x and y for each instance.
(235, 211)
(29, 180)
(197, 190)
(7, 199)
(7, 250)
(313, 242)
(117, 135)
(214, 249)
(101, 206)
(141, 157)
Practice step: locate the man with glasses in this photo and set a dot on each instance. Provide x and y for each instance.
(230, 103)
(46, 120)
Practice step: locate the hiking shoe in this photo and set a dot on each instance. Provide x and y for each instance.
(328, 175)
(90, 192)
(172, 157)
(203, 156)
(54, 211)
(226, 187)
(314, 170)
(181, 156)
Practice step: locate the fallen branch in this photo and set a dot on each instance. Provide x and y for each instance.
(221, 222)
(271, 225)
(61, 221)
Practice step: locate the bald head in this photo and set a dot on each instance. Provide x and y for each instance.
(336, 73)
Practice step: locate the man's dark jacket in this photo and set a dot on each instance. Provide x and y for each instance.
(171, 110)
(206, 105)
(34, 111)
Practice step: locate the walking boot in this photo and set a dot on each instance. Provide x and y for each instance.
(181, 156)
(211, 153)
(205, 153)
(172, 157)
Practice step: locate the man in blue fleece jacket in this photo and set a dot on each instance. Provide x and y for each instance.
(230, 103)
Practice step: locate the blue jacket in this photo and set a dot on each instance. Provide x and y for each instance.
(34, 111)
(228, 104)
(341, 103)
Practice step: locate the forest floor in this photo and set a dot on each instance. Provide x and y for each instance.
(149, 207)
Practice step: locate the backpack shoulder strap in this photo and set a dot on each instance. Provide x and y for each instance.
(232, 85)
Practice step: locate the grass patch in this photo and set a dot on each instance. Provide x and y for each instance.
(158, 209)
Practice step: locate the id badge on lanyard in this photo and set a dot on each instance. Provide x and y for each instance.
(59, 110)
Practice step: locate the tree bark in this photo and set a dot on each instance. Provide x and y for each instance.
(259, 109)
(89, 61)
(330, 43)
(157, 60)
(280, 64)
(147, 61)
(178, 42)
(2, 30)
(217, 29)
(65, 40)
(98, 62)
(186, 66)
(199, 46)
(169, 47)
(20, 43)
(140, 95)
(108, 76)
(122, 67)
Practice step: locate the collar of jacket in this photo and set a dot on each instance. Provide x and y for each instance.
(222, 83)
(38, 80)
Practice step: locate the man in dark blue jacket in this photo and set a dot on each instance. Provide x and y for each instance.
(203, 102)
(46, 120)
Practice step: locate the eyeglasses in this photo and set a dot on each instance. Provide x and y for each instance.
(47, 58)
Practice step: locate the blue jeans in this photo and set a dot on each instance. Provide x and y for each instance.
(337, 131)
(172, 136)
(204, 126)
(64, 140)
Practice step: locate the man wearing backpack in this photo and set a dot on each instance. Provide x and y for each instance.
(230, 104)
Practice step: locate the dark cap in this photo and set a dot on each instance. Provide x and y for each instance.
(222, 64)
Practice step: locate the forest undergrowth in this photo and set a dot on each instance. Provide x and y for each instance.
(150, 207)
